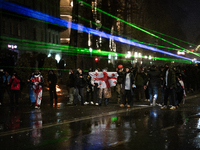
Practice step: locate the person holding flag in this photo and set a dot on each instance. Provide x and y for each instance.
(105, 81)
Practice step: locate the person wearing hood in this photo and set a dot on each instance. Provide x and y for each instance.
(153, 82)
(52, 79)
(128, 84)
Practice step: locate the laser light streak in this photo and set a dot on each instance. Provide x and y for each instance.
(41, 16)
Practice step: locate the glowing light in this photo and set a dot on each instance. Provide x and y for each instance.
(149, 57)
(41, 16)
(128, 55)
(180, 53)
(57, 57)
(136, 54)
(109, 56)
(12, 46)
(49, 55)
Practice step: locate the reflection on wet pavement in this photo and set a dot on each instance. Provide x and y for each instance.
(144, 128)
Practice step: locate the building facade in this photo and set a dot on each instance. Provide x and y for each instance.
(25, 34)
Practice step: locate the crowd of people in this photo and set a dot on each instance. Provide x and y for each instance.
(139, 84)
(94, 87)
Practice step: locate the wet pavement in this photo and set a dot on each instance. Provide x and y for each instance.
(97, 128)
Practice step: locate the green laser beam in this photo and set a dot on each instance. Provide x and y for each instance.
(135, 26)
(38, 46)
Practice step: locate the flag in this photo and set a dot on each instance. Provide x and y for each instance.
(105, 79)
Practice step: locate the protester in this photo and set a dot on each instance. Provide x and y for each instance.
(37, 82)
(153, 83)
(169, 87)
(180, 90)
(71, 86)
(15, 88)
(140, 79)
(52, 79)
(5, 85)
(31, 93)
(119, 82)
(128, 84)
(96, 89)
(80, 83)
(89, 90)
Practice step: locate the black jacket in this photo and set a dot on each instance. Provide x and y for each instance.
(154, 78)
(80, 82)
(53, 79)
(132, 81)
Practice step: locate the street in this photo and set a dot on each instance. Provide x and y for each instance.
(96, 128)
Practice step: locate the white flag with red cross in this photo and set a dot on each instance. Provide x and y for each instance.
(105, 79)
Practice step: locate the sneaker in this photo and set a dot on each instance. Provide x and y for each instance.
(146, 100)
(97, 104)
(159, 105)
(151, 104)
(69, 103)
(92, 103)
(164, 107)
(86, 103)
(173, 107)
(128, 106)
(0, 104)
(121, 105)
(37, 107)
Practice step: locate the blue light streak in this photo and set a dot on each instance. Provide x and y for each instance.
(44, 17)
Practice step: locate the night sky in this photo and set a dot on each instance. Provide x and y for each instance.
(187, 13)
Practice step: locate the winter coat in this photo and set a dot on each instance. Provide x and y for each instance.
(71, 80)
(80, 82)
(120, 77)
(15, 84)
(171, 80)
(140, 79)
(153, 78)
(132, 81)
(53, 79)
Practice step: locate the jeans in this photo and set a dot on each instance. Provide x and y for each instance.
(153, 93)
(127, 94)
(169, 93)
(79, 91)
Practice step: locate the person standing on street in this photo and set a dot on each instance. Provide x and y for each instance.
(71, 86)
(37, 82)
(153, 83)
(128, 84)
(169, 85)
(6, 85)
(119, 82)
(79, 84)
(52, 79)
(15, 88)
